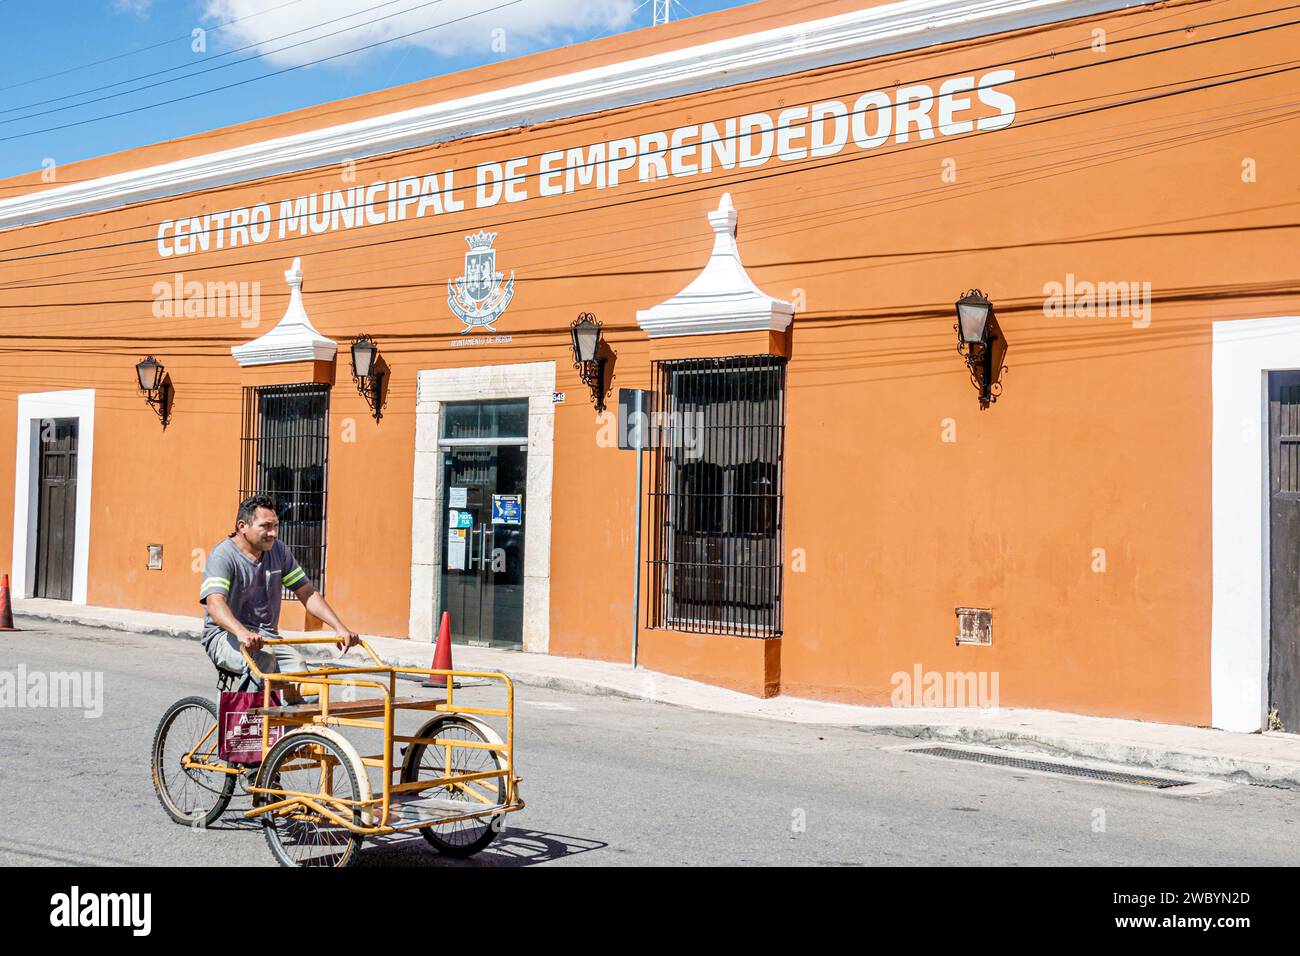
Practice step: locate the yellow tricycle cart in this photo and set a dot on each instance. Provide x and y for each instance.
(313, 791)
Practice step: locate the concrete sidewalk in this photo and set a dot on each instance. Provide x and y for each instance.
(1269, 758)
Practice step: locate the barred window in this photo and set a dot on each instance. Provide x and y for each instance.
(285, 455)
(716, 494)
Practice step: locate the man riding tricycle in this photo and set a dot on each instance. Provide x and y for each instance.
(312, 788)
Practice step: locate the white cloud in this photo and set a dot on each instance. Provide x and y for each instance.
(523, 26)
(138, 7)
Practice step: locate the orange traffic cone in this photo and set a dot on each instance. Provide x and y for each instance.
(442, 655)
(6, 612)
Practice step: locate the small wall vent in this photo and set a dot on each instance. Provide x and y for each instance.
(975, 625)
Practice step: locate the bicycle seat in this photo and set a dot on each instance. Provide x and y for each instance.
(227, 678)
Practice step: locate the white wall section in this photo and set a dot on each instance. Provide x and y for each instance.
(534, 381)
(1244, 352)
(32, 409)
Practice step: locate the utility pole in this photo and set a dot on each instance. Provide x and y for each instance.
(663, 11)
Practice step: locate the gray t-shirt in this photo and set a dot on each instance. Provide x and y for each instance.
(251, 588)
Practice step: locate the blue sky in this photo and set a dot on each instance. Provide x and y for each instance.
(51, 53)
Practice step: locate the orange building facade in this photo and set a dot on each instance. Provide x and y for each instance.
(771, 212)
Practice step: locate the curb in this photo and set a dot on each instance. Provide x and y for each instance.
(572, 685)
(1217, 766)
(155, 630)
(1256, 772)
(1261, 773)
(546, 682)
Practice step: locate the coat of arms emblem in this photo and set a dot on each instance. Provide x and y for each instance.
(479, 296)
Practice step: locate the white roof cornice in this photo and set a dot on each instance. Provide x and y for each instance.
(294, 338)
(857, 35)
(722, 298)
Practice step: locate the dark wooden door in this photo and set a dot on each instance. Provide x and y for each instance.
(1284, 547)
(57, 519)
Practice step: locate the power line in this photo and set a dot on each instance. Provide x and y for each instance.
(1051, 54)
(1062, 70)
(254, 79)
(391, 241)
(643, 3)
(143, 49)
(774, 175)
(832, 188)
(222, 66)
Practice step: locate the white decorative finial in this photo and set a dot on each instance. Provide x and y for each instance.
(722, 298)
(723, 219)
(294, 338)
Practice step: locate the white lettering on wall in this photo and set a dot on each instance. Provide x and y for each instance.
(912, 113)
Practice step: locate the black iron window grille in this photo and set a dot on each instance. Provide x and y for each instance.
(716, 496)
(285, 454)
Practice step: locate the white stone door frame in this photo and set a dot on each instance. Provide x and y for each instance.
(33, 408)
(534, 381)
(1244, 352)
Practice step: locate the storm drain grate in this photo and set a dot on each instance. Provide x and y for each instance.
(1021, 763)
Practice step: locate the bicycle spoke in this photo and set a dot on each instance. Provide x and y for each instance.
(433, 763)
(189, 793)
(305, 838)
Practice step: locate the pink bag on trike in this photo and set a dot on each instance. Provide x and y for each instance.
(240, 733)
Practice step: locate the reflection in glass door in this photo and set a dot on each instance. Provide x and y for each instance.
(484, 474)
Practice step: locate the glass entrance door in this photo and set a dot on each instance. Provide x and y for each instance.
(484, 474)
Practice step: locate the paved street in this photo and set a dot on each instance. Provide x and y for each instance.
(611, 781)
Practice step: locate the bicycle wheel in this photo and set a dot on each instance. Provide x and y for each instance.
(306, 762)
(425, 762)
(194, 797)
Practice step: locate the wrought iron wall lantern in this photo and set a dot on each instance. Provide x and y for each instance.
(981, 343)
(587, 359)
(151, 375)
(368, 371)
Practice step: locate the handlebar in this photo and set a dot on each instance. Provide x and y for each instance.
(252, 666)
